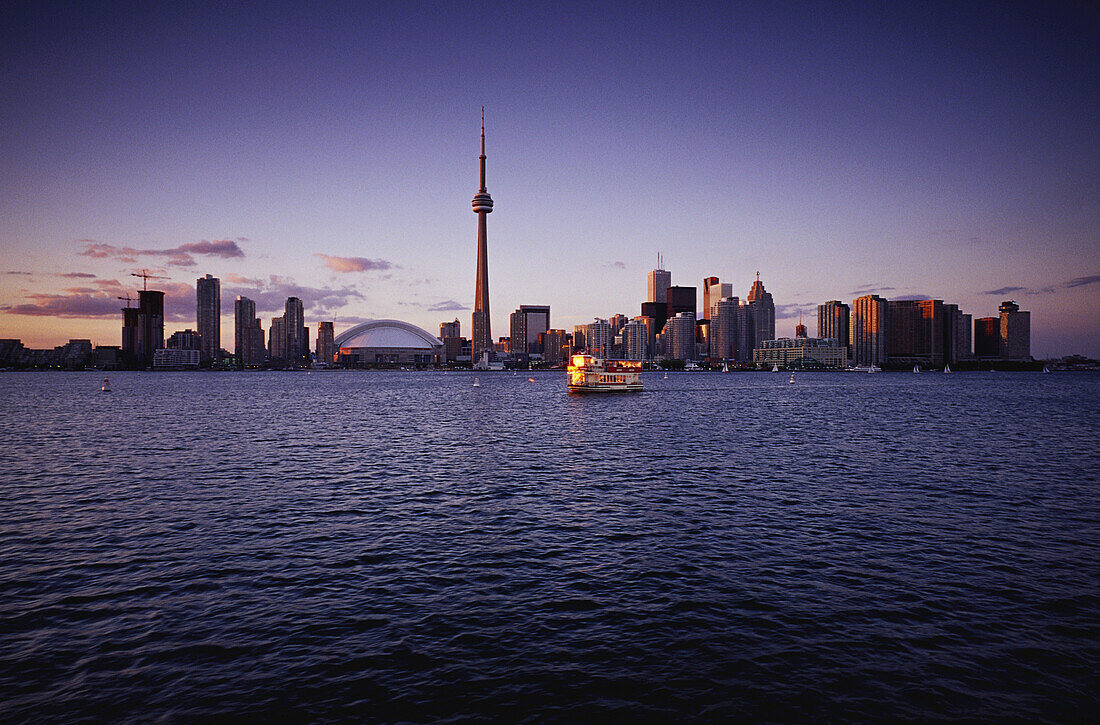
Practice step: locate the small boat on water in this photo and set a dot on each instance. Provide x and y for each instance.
(477, 383)
(947, 368)
(666, 376)
(916, 368)
(791, 381)
(106, 387)
(1046, 369)
(590, 374)
(725, 367)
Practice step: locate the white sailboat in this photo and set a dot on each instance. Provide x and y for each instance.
(477, 383)
(725, 367)
(916, 369)
(791, 381)
(775, 367)
(1046, 369)
(947, 368)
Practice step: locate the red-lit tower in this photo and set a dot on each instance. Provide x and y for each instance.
(482, 335)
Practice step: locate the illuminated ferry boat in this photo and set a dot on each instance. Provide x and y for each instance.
(590, 374)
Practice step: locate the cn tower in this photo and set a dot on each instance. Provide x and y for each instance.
(482, 339)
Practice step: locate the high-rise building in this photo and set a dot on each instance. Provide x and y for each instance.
(150, 327)
(450, 329)
(276, 339)
(1015, 329)
(762, 309)
(724, 328)
(525, 326)
(713, 291)
(326, 348)
(184, 340)
(833, 319)
(482, 339)
(680, 336)
(555, 345)
(905, 333)
(617, 322)
(657, 282)
(987, 337)
(635, 340)
(867, 339)
(208, 313)
(682, 299)
(580, 341)
(130, 336)
(297, 344)
(597, 337)
(956, 334)
(248, 334)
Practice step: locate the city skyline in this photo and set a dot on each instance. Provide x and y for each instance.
(957, 166)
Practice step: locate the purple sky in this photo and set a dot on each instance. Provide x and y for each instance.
(949, 150)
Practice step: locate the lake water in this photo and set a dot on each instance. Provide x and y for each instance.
(404, 546)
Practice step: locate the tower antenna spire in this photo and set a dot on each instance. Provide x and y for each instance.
(482, 157)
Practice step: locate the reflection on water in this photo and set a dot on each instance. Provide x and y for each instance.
(406, 546)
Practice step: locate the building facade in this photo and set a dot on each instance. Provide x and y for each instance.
(326, 348)
(987, 337)
(248, 334)
(762, 309)
(597, 338)
(801, 353)
(680, 336)
(868, 331)
(208, 314)
(833, 320)
(1015, 332)
(635, 340)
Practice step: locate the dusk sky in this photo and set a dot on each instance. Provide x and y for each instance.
(329, 151)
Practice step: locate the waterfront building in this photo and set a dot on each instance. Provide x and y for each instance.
(450, 329)
(867, 334)
(801, 352)
(580, 342)
(957, 326)
(987, 337)
(597, 338)
(905, 334)
(617, 322)
(682, 299)
(800, 329)
(762, 311)
(208, 315)
(713, 291)
(482, 339)
(456, 348)
(176, 358)
(635, 336)
(725, 318)
(297, 335)
(276, 340)
(185, 340)
(1015, 332)
(555, 347)
(680, 336)
(326, 343)
(130, 336)
(526, 324)
(658, 312)
(387, 342)
(248, 334)
(149, 332)
(833, 319)
(657, 282)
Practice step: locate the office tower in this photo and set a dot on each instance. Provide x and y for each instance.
(800, 330)
(246, 331)
(867, 338)
(150, 327)
(956, 334)
(580, 341)
(680, 335)
(681, 299)
(904, 336)
(208, 313)
(658, 281)
(635, 340)
(185, 340)
(326, 347)
(1015, 331)
(617, 322)
(658, 312)
(723, 328)
(964, 325)
(482, 340)
(130, 336)
(713, 291)
(763, 313)
(987, 337)
(833, 319)
(651, 335)
(528, 322)
(744, 333)
(450, 329)
(276, 339)
(297, 347)
(597, 337)
(555, 347)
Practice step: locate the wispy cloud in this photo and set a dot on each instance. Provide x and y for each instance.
(1000, 291)
(18, 272)
(912, 298)
(270, 295)
(1004, 290)
(177, 256)
(354, 264)
(1082, 281)
(447, 306)
(78, 275)
(615, 265)
(869, 288)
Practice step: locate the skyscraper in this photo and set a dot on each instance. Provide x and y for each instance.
(713, 290)
(326, 347)
(597, 337)
(635, 340)
(833, 319)
(868, 330)
(245, 327)
(723, 328)
(554, 350)
(987, 337)
(276, 339)
(450, 329)
(150, 327)
(297, 344)
(208, 314)
(763, 313)
(658, 281)
(680, 333)
(482, 339)
(1015, 332)
(525, 326)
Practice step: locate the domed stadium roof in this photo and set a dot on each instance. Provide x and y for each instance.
(387, 333)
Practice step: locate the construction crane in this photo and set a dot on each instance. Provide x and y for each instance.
(128, 299)
(146, 277)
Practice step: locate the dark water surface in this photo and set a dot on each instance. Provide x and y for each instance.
(403, 546)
